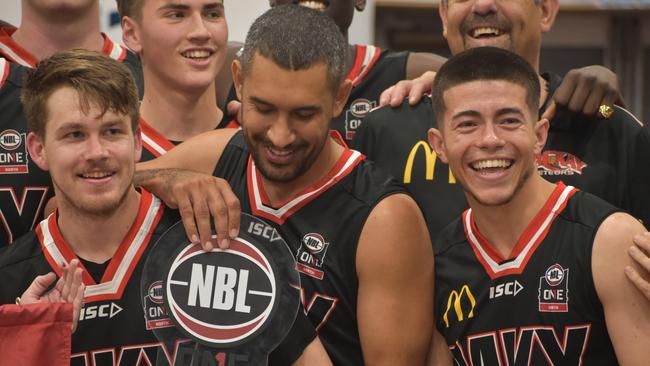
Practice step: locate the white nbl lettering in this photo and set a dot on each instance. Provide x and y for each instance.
(216, 289)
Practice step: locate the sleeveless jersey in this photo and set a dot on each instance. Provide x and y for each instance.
(112, 328)
(538, 307)
(24, 187)
(15, 53)
(607, 158)
(322, 226)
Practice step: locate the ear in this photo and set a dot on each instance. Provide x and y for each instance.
(131, 34)
(442, 10)
(138, 145)
(360, 4)
(237, 77)
(36, 150)
(437, 143)
(549, 9)
(541, 133)
(342, 96)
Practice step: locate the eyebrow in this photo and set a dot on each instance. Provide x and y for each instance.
(468, 113)
(309, 107)
(180, 6)
(503, 111)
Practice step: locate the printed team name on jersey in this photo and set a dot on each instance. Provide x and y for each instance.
(221, 298)
(431, 158)
(311, 255)
(354, 116)
(554, 290)
(13, 153)
(533, 345)
(554, 162)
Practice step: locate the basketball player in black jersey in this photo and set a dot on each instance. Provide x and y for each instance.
(83, 112)
(533, 271)
(342, 218)
(182, 47)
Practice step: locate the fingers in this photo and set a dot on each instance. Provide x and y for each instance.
(585, 90)
(187, 213)
(640, 253)
(385, 96)
(37, 288)
(77, 302)
(233, 107)
(233, 212)
(549, 113)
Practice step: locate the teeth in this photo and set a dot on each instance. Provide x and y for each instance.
(96, 175)
(485, 31)
(196, 54)
(316, 5)
(487, 164)
(280, 152)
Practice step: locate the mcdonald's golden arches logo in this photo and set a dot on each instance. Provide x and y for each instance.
(431, 158)
(456, 299)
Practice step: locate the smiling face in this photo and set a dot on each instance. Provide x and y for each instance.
(286, 116)
(489, 138)
(515, 25)
(91, 157)
(341, 11)
(181, 43)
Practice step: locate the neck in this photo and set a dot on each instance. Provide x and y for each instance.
(503, 225)
(279, 192)
(179, 115)
(82, 231)
(43, 35)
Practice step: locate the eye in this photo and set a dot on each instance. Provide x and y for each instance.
(73, 135)
(214, 14)
(305, 115)
(175, 14)
(510, 121)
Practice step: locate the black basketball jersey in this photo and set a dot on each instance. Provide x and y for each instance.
(154, 144)
(15, 53)
(607, 158)
(112, 328)
(24, 187)
(537, 307)
(396, 139)
(322, 226)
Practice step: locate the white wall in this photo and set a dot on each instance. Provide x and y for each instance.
(240, 15)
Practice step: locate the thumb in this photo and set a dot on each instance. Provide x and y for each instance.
(39, 286)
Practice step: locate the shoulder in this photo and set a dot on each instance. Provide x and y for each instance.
(452, 235)
(21, 251)
(370, 184)
(586, 209)
(402, 117)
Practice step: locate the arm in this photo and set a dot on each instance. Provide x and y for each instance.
(439, 354)
(395, 271)
(627, 312)
(314, 355)
(195, 192)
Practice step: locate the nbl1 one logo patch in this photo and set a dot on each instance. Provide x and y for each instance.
(311, 254)
(220, 297)
(554, 290)
(13, 152)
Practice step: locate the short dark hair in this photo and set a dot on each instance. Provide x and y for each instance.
(484, 63)
(296, 38)
(130, 8)
(98, 79)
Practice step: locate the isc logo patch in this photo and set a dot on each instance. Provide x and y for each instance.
(221, 296)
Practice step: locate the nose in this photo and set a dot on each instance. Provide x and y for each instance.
(280, 133)
(483, 7)
(490, 138)
(95, 148)
(198, 30)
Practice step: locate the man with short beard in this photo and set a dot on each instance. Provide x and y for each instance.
(341, 217)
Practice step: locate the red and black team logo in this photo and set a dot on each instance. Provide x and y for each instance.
(553, 162)
(311, 254)
(554, 290)
(13, 152)
(220, 297)
(233, 306)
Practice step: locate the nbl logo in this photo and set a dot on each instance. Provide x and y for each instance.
(554, 290)
(311, 255)
(221, 297)
(10, 139)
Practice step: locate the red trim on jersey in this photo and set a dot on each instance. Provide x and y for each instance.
(527, 243)
(152, 140)
(113, 50)
(14, 52)
(4, 71)
(233, 124)
(336, 135)
(260, 203)
(147, 208)
(365, 59)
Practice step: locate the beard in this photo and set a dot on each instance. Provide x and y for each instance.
(524, 178)
(99, 206)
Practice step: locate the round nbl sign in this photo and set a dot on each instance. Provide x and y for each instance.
(222, 296)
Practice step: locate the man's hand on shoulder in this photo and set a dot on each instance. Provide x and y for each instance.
(640, 252)
(413, 89)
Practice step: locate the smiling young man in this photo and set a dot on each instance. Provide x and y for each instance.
(533, 271)
(82, 109)
(340, 216)
(603, 156)
(182, 47)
